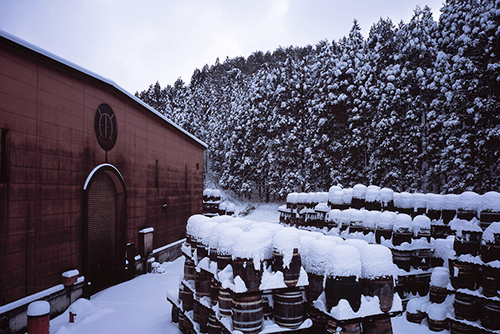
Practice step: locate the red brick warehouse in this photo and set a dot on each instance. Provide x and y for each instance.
(85, 166)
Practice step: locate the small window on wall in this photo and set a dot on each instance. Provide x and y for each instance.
(4, 157)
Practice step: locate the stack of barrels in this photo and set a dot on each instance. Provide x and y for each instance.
(211, 202)
(478, 280)
(440, 209)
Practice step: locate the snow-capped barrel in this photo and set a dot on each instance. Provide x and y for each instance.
(469, 205)
(286, 256)
(336, 200)
(437, 317)
(288, 307)
(467, 238)
(39, 317)
(214, 237)
(222, 208)
(376, 274)
(347, 198)
(358, 196)
(490, 243)
(250, 250)
(215, 195)
(490, 209)
(207, 193)
(450, 207)
(415, 310)
(434, 206)
(193, 224)
(334, 218)
(370, 221)
(345, 219)
(421, 227)
(420, 204)
(402, 229)
(489, 278)
(372, 198)
(357, 219)
(342, 271)
(384, 225)
(230, 209)
(335, 194)
(202, 235)
(404, 203)
(247, 312)
(464, 271)
(224, 247)
(291, 200)
(321, 210)
(387, 199)
(314, 258)
(441, 251)
(301, 201)
(440, 278)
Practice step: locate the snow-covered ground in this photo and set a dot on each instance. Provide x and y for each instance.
(140, 305)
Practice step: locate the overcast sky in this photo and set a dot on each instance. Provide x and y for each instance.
(136, 43)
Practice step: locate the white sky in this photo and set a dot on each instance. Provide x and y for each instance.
(136, 43)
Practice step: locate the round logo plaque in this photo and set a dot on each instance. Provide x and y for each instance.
(105, 127)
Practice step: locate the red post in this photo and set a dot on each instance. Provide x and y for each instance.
(39, 317)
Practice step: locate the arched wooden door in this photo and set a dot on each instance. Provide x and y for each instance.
(104, 230)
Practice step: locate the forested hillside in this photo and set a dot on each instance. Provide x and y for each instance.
(413, 106)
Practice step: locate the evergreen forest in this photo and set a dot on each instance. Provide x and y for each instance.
(414, 106)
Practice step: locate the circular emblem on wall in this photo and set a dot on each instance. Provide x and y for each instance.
(105, 127)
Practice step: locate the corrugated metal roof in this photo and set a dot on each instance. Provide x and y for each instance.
(96, 76)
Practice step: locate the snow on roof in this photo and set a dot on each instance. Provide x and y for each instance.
(96, 76)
